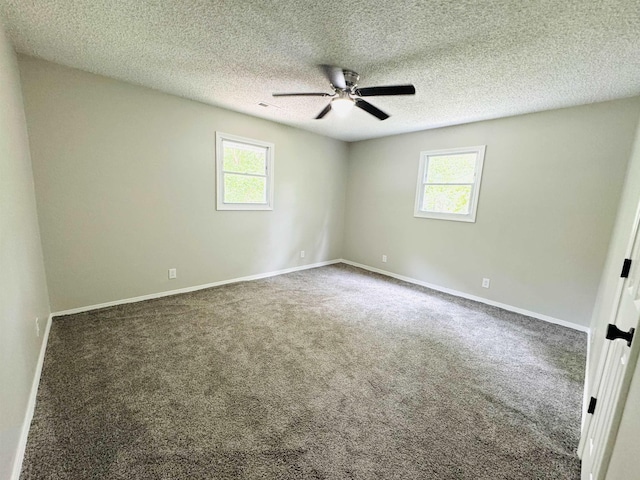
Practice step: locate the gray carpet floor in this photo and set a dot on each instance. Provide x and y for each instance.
(330, 373)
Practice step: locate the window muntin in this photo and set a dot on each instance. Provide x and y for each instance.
(449, 184)
(244, 173)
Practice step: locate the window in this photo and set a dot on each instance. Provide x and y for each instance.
(244, 169)
(449, 184)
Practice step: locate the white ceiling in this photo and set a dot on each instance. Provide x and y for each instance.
(468, 59)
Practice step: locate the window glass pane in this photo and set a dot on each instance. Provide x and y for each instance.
(447, 199)
(242, 158)
(244, 189)
(451, 168)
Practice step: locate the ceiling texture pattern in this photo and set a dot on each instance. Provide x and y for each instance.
(468, 59)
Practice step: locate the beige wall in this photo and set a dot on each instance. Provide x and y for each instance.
(23, 292)
(548, 201)
(125, 178)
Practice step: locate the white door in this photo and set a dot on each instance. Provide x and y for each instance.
(615, 369)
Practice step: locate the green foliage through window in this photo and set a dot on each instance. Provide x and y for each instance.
(244, 159)
(244, 189)
(447, 198)
(244, 169)
(451, 168)
(449, 183)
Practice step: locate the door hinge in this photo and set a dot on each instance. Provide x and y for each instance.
(592, 405)
(626, 267)
(613, 333)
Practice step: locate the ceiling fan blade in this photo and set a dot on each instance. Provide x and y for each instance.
(326, 110)
(310, 94)
(367, 107)
(335, 76)
(388, 90)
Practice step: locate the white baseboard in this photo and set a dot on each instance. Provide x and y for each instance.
(31, 405)
(457, 293)
(193, 289)
(438, 288)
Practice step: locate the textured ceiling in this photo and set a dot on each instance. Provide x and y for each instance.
(468, 59)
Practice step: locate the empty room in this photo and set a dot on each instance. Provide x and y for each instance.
(293, 240)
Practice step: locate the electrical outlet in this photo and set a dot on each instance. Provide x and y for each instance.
(173, 273)
(37, 327)
(384, 259)
(486, 282)
(301, 253)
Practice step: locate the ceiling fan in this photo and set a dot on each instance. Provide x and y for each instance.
(346, 93)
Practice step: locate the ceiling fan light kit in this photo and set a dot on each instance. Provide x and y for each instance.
(346, 93)
(342, 104)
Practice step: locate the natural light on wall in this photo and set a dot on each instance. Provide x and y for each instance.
(449, 184)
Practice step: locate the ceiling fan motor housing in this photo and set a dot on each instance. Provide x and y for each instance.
(350, 79)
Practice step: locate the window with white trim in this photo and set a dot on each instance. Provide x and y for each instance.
(449, 183)
(244, 170)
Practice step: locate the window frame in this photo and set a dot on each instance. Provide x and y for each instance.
(221, 137)
(479, 150)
